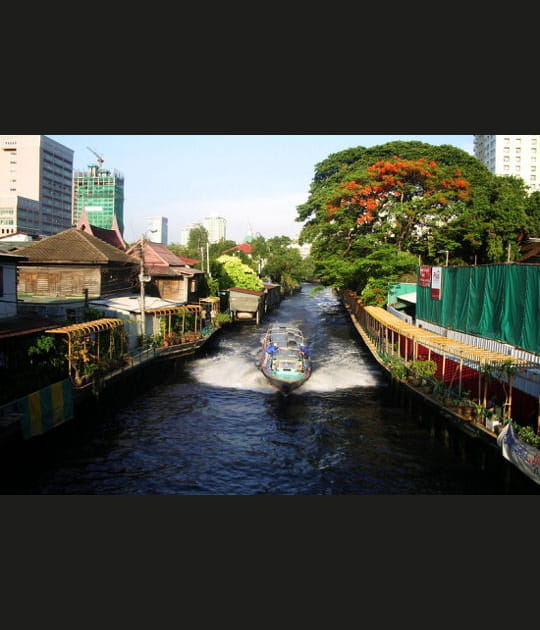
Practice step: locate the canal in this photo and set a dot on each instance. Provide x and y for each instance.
(217, 427)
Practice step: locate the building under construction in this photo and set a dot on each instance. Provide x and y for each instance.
(101, 193)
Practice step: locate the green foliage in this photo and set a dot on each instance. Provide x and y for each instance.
(223, 318)
(397, 368)
(198, 237)
(91, 313)
(528, 434)
(284, 263)
(533, 214)
(234, 273)
(47, 352)
(423, 368)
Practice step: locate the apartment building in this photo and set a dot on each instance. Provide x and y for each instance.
(216, 228)
(507, 154)
(36, 175)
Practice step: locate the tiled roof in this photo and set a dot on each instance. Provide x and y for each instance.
(243, 247)
(74, 246)
(159, 254)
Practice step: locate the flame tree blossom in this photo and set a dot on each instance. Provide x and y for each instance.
(402, 200)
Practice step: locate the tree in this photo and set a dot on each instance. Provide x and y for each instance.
(401, 201)
(232, 272)
(366, 205)
(284, 264)
(198, 237)
(533, 212)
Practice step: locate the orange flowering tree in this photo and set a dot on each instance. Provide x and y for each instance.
(402, 200)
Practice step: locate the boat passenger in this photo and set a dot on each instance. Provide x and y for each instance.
(305, 350)
(272, 348)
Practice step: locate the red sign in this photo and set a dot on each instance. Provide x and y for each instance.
(425, 276)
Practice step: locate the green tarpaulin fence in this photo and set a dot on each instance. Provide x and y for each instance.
(499, 302)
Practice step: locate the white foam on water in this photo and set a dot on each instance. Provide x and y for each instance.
(244, 373)
(231, 371)
(332, 377)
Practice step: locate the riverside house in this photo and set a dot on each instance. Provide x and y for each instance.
(61, 272)
(169, 276)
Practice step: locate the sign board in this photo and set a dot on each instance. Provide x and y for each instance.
(425, 276)
(436, 282)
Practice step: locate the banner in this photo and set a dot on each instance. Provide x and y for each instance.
(46, 408)
(425, 276)
(436, 279)
(522, 455)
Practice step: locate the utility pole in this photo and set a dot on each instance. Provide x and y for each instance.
(142, 296)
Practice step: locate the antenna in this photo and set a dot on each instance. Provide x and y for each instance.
(99, 157)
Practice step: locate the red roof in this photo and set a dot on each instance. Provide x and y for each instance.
(243, 247)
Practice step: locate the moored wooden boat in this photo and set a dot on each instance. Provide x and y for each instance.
(285, 358)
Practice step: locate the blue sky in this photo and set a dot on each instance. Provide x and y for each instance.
(254, 181)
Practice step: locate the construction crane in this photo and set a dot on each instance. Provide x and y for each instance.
(99, 157)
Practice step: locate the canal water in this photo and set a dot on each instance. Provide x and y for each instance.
(217, 427)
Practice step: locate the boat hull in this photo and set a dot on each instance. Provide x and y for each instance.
(288, 366)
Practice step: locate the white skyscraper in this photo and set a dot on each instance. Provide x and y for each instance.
(157, 229)
(510, 155)
(184, 233)
(216, 227)
(36, 181)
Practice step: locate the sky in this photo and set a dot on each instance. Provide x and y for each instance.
(254, 181)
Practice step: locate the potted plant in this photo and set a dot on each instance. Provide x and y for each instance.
(466, 407)
(398, 369)
(479, 412)
(423, 370)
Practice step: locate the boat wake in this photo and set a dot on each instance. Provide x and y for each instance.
(244, 373)
(337, 361)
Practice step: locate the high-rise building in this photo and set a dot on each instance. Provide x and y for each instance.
(216, 227)
(184, 232)
(157, 229)
(101, 193)
(36, 177)
(510, 155)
